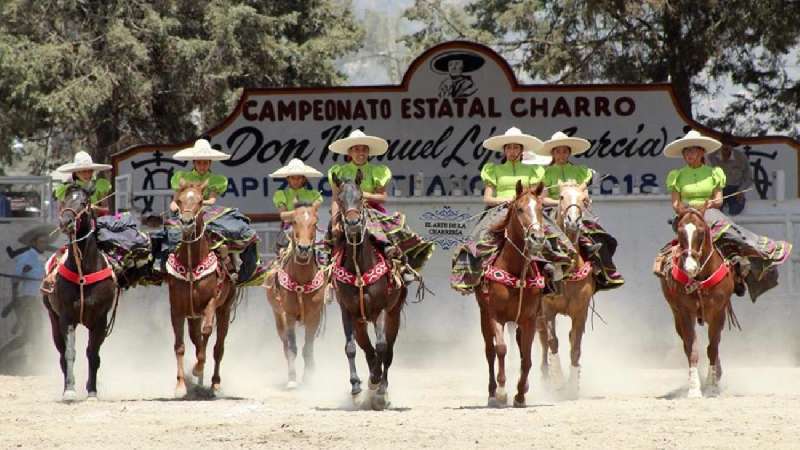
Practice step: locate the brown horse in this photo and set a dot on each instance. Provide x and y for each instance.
(297, 290)
(511, 291)
(199, 288)
(367, 291)
(576, 292)
(698, 289)
(85, 290)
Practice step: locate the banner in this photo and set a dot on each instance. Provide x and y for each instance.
(452, 97)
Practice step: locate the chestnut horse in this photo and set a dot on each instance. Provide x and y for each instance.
(576, 292)
(367, 291)
(511, 291)
(698, 289)
(199, 288)
(85, 290)
(297, 290)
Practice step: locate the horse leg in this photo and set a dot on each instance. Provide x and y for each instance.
(200, 342)
(575, 339)
(223, 322)
(68, 330)
(392, 328)
(715, 327)
(501, 349)
(487, 329)
(58, 339)
(350, 351)
(382, 350)
(312, 321)
(525, 332)
(290, 351)
(362, 337)
(97, 335)
(180, 349)
(684, 324)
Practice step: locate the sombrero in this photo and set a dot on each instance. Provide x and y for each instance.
(29, 236)
(577, 145)
(377, 146)
(82, 161)
(512, 136)
(472, 62)
(692, 139)
(201, 151)
(296, 167)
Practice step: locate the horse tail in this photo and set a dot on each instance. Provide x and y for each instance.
(238, 295)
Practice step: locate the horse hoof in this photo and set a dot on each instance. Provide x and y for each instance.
(493, 403)
(92, 397)
(180, 391)
(694, 393)
(519, 403)
(355, 391)
(216, 389)
(292, 385)
(379, 402)
(502, 397)
(373, 387)
(69, 395)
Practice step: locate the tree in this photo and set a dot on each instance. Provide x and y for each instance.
(685, 42)
(103, 75)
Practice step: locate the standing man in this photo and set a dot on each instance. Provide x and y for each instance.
(737, 171)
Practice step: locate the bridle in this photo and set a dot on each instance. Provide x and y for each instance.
(532, 242)
(360, 223)
(704, 237)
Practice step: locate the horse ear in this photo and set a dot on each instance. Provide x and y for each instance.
(520, 188)
(539, 188)
(359, 177)
(582, 186)
(336, 180)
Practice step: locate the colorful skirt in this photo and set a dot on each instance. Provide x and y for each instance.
(392, 230)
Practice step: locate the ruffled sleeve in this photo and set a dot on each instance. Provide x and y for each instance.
(585, 175)
(59, 190)
(719, 177)
(279, 199)
(381, 175)
(102, 187)
(672, 180)
(489, 175)
(218, 184)
(175, 181)
(334, 170)
(537, 175)
(315, 196)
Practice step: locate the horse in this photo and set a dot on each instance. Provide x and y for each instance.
(698, 289)
(367, 290)
(200, 288)
(576, 292)
(297, 297)
(85, 290)
(511, 290)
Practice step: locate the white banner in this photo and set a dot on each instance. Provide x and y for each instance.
(452, 98)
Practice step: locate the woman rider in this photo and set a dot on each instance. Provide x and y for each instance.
(229, 231)
(596, 244)
(398, 240)
(83, 171)
(696, 185)
(295, 193)
(500, 181)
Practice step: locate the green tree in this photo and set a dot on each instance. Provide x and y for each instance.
(103, 75)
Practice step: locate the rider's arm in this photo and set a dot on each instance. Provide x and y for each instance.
(488, 197)
(286, 216)
(677, 203)
(212, 198)
(379, 196)
(715, 202)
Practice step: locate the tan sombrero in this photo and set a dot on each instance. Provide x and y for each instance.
(377, 146)
(82, 161)
(559, 139)
(296, 167)
(513, 136)
(692, 139)
(45, 230)
(201, 151)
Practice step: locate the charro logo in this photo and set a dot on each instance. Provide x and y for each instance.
(456, 64)
(446, 226)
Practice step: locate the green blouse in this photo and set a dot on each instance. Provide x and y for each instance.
(503, 177)
(695, 185)
(375, 175)
(565, 172)
(102, 187)
(216, 183)
(287, 198)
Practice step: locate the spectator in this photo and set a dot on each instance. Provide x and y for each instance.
(737, 172)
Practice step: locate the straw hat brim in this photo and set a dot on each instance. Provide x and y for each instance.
(29, 236)
(533, 158)
(72, 167)
(528, 142)
(377, 146)
(576, 145)
(193, 154)
(675, 148)
(308, 172)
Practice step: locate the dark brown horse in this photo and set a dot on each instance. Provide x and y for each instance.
(200, 288)
(296, 292)
(367, 291)
(576, 293)
(511, 291)
(85, 290)
(698, 289)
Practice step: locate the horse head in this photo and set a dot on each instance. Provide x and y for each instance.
(694, 239)
(190, 203)
(525, 212)
(304, 230)
(76, 204)
(351, 207)
(573, 200)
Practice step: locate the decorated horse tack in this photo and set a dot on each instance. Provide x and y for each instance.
(494, 273)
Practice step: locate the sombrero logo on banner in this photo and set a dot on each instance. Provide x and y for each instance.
(452, 98)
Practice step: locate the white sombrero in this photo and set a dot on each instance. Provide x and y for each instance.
(577, 145)
(82, 161)
(533, 158)
(512, 136)
(296, 167)
(692, 139)
(377, 146)
(201, 151)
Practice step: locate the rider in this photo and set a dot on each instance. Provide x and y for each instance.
(83, 171)
(296, 192)
(755, 258)
(500, 182)
(596, 244)
(230, 232)
(390, 230)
